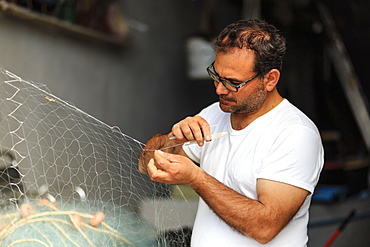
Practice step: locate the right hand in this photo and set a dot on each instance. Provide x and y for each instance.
(192, 128)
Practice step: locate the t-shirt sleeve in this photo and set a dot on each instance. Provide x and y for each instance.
(295, 158)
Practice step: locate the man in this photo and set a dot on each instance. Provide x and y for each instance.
(256, 183)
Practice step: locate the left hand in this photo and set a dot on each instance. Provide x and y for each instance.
(172, 169)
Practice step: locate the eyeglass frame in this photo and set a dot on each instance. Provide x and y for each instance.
(214, 76)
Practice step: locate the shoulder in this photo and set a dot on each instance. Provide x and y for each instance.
(289, 127)
(289, 116)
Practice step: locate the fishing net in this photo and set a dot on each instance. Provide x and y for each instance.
(68, 179)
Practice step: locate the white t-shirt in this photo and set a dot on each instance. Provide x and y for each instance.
(282, 145)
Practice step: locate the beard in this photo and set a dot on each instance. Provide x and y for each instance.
(248, 105)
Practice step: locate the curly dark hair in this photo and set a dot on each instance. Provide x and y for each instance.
(257, 35)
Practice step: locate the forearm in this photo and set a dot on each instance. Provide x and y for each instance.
(250, 217)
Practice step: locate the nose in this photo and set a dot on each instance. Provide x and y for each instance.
(220, 88)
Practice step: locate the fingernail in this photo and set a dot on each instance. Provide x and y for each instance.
(160, 152)
(208, 138)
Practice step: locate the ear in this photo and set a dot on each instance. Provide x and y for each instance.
(272, 79)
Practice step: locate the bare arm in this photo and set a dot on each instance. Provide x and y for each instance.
(260, 219)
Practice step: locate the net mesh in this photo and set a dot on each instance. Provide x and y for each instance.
(68, 179)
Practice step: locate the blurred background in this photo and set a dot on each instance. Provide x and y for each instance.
(140, 65)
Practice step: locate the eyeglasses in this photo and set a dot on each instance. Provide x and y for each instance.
(230, 86)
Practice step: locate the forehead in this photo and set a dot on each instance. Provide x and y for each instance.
(233, 62)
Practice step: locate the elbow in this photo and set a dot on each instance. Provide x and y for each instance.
(264, 239)
(265, 230)
(262, 236)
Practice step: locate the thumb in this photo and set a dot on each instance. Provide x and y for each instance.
(163, 155)
(166, 156)
(161, 159)
(166, 160)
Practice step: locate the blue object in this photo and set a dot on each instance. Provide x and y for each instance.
(329, 193)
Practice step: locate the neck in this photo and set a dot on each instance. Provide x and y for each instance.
(240, 121)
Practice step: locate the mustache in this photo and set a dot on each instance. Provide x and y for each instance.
(226, 98)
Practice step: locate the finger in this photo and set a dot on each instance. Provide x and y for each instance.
(154, 173)
(197, 133)
(202, 131)
(169, 157)
(176, 131)
(161, 160)
(167, 161)
(192, 128)
(151, 168)
(187, 129)
(206, 129)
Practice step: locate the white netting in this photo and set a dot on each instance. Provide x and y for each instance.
(60, 166)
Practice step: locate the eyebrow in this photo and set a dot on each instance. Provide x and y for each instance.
(225, 78)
